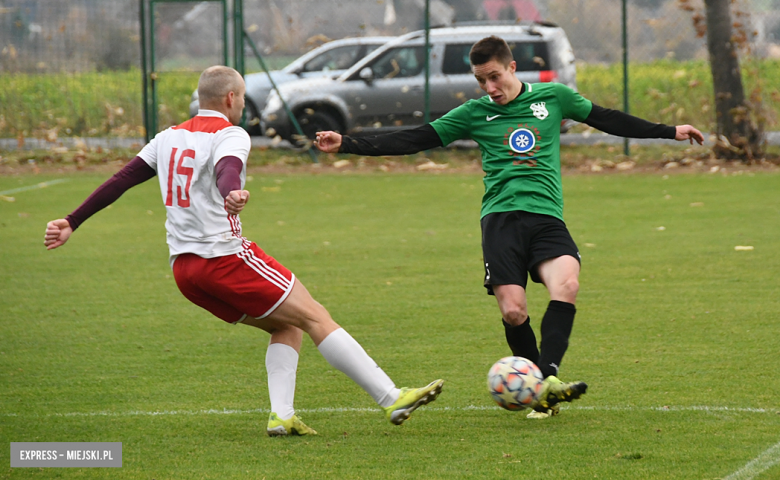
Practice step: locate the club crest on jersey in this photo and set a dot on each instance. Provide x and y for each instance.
(523, 142)
(540, 111)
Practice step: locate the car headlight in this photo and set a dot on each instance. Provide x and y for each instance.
(274, 103)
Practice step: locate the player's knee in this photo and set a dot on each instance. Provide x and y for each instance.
(570, 288)
(515, 314)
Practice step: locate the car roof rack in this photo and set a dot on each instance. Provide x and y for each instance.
(522, 23)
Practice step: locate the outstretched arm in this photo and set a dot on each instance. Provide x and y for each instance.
(687, 132)
(328, 142)
(137, 171)
(57, 233)
(402, 142)
(624, 125)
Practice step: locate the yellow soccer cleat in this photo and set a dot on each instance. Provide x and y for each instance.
(292, 426)
(550, 412)
(555, 391)
(411, 398)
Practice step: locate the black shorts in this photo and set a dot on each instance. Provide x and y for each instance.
(514, 243)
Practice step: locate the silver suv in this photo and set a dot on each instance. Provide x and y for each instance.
(385, 90)
(330, 59)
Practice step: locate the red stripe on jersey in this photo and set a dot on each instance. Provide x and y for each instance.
(204, 124)
(235, 225)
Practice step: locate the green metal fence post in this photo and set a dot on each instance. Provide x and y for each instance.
(293, 120)
(224, 33)
(427, 109)
(144, 72)
(626, 148)
(152, 73)
(238, 44)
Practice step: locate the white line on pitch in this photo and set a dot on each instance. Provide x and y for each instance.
(33, 187)
(225, 411)
(758, 465)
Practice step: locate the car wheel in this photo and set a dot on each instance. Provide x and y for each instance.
(313, 121)
(252, 124)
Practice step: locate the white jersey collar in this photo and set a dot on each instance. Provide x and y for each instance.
(202, 112)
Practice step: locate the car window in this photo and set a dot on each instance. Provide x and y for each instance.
(531, 56)
(456, 59)
(399, 62)
(340, 58)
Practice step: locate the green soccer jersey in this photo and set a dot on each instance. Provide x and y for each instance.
(520, 144)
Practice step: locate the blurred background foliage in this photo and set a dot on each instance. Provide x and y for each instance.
(73, 68)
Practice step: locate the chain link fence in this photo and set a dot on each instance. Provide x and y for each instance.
(72, 69)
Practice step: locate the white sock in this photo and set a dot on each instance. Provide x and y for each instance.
(346, 355)
(281, 363)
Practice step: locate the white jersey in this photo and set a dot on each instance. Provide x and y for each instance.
(185, 158)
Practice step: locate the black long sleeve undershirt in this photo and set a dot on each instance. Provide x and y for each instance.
(402, 142)
(405, 142)
(622, 124)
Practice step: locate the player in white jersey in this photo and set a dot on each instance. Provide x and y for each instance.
(201, 168)
(185, 158)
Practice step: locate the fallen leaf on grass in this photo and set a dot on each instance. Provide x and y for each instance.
(431, 165)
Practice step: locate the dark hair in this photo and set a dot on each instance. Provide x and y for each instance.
(490, 48)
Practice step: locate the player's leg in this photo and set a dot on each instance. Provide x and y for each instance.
(281, 364)
(346, 355)
(504, 250)
(196, 280)
(555, 263)
(517, 325)
(561, 277)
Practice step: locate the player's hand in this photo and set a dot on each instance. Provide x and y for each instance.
(236, 201)
(687, 132)
(57, 233)
(328, 142)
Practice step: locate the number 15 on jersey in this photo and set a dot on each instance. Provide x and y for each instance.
(181, 200)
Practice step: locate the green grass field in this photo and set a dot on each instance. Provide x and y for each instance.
(676, 333)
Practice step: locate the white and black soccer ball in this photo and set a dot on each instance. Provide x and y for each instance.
(515, 383)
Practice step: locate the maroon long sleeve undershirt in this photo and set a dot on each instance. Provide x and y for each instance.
(228, 174)
(134, 173)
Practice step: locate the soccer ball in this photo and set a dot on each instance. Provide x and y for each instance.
(514, 383)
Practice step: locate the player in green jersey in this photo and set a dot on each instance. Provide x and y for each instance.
(517, 128)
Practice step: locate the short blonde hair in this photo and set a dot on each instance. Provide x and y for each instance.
(215, 83)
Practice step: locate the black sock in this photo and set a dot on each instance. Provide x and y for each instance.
(521, 340)
(556, 328)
